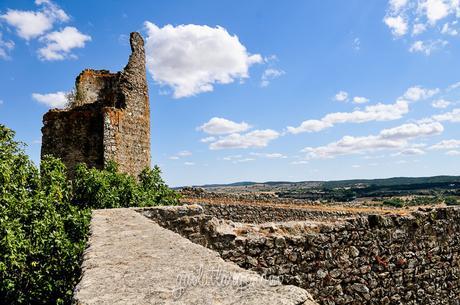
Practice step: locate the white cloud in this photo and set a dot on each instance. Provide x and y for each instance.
(341, 96)
(189, 163)
(5, 47)
(59, 44)
(440, 104)
(181, 154)
(453, 153)
(453, 116)
(52, 100)
(360, 100)
(31, 24)
(208, 139)
(446, 144)
(192, 58)
(219, 126)
(434, 10)
(417, 93)
(411, 151)
(269, 155)
(397, 24)
(446, 29)
(378, 112)
(412, 130)
(256, 138)
(427, 47)
(418, 28)
(394, 138)
(422, 16)
(397, 5)
(270, 74)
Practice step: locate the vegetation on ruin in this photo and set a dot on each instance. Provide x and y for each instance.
(44, 219)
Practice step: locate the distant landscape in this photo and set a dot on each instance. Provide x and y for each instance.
(397, 191)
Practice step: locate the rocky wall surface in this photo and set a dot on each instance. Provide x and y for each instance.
(370, 259)
(267, 213)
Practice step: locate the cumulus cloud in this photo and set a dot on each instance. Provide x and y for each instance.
(412, 151)
(453, 153)
(52, 100)
(446, 144)
(5, 47)
(219, 126)
(270, 74)
(453, 116)
(378, 112)
(360, 100)
(31, 24)
(440, 104)
(253, 139)
(423, 16)
(38, 24)
(397, 25)
(191, 59)
(427, 47)
(417, 93)
(412, 130)
(341, 96)
(59, 44)
(394, 138)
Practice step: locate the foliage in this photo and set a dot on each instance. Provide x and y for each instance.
(451, 200)
(44, 219)
(42, 236)
(394, 202)
(109, 188)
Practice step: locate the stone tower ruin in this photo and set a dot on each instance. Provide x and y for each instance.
(109, 118)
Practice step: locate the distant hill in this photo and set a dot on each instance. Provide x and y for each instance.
(395, 182)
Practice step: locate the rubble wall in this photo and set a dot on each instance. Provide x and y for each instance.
(370, 259)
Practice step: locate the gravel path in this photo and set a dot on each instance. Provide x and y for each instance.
(132, 260)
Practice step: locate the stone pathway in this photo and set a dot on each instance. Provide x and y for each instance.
(132, 260)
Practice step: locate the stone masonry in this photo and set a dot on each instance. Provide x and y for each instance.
(109, 120)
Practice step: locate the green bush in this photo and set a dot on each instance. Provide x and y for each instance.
(108, 188)
(394, 202)
(42, 236)
(44, 219)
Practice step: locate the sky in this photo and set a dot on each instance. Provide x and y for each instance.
(255, 90)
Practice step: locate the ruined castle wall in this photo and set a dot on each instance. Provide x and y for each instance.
(74, 137)
(129, 131)
(96, 86)
(365, 260)
(108, 121)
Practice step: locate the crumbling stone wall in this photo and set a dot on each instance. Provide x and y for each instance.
(109, 119)
(372, 259)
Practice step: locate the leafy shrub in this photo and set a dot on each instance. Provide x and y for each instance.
(44, 219)
(109, 188)
(42, 236)
(394, 202)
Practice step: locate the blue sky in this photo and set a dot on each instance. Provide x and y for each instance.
(255, 90)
